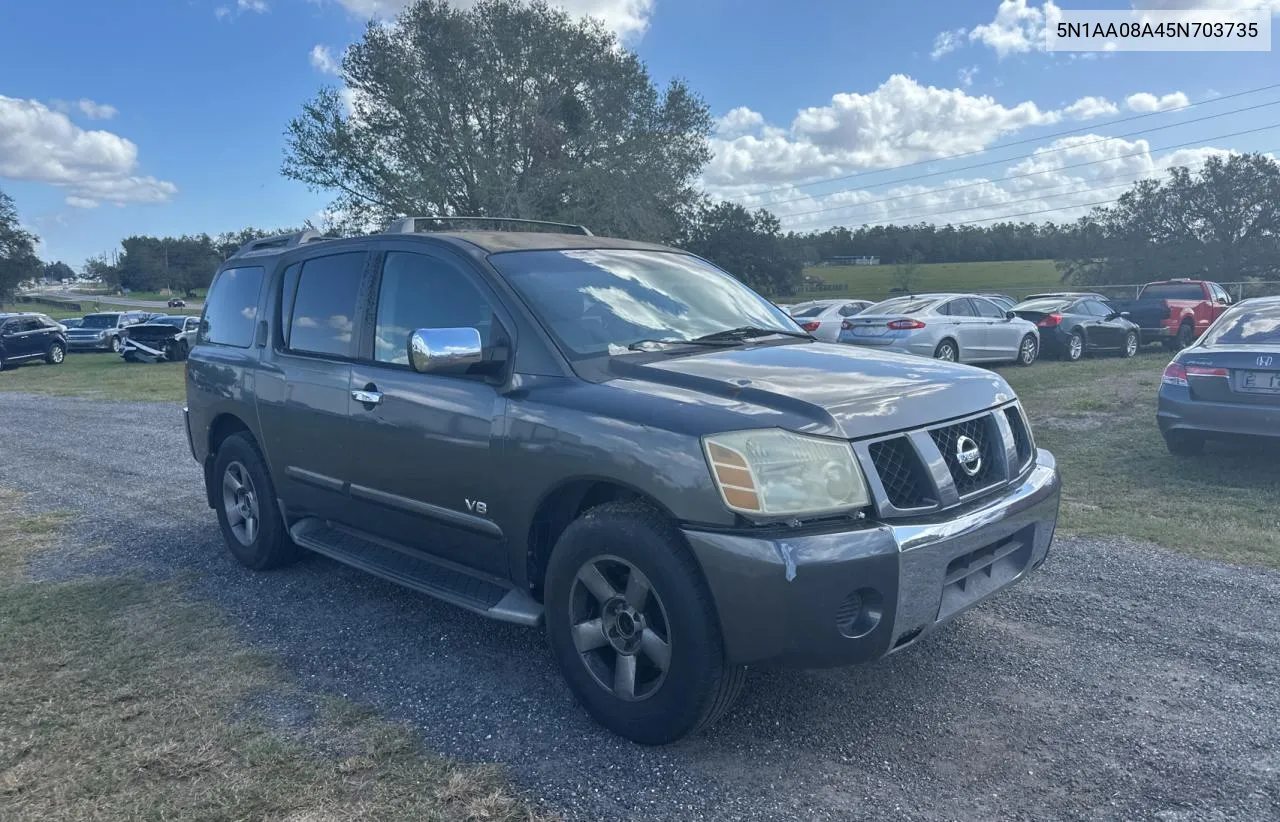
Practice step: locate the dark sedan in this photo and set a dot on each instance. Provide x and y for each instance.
(1227, 383)
(1072, 326)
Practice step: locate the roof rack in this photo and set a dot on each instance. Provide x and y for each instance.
(279, 241)
(409, 225)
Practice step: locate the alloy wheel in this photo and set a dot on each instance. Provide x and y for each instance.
(1076, 346)
(947, 352)
(1131, 345)
(1028, 351)
(620, 628)
(240, 503)
(57, 354)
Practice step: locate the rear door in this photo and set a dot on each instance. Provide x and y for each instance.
(968, 329)
(24, 337)
(304, 387)
(430, 445)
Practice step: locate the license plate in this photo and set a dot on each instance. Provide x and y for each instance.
(867, 330)
(1260, 382)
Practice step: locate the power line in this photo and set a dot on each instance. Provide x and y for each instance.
(1063, 191)
(1034, 173)
(1033, 155)
(1024, 141)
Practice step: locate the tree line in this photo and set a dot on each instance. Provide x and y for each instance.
(516, 109)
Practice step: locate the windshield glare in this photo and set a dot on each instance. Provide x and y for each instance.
(100, 321)
(900, 305)
(811, 311)
(1042, 305)
(1247, 325)
(600, 301)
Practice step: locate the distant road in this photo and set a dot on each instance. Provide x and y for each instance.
(89, 299)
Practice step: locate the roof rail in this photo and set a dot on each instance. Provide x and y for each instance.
(279, 241)
(409, 225)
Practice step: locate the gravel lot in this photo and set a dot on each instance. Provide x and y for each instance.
(1120, 683)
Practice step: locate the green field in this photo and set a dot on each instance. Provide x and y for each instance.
(100, 375)
(873, 282)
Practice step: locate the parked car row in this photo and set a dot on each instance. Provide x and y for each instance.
(138, 336)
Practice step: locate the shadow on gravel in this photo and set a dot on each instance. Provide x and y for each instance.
(1096, 689)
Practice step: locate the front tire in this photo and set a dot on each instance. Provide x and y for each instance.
(947, 351)
(633, 627)
(1028, 350)
(56, 354)
(115, 345)
(245, 501)
(1074, 349)
(1184, 443)
(1130, 345)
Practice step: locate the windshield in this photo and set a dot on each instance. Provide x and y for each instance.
(175, 321)
(1247, 325)
(901, 305)
(599, 301)
(100, 321)
(1042, 305)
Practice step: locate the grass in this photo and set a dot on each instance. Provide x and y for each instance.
(86, 307)
(1015, 278)
(98, 375)
(1098, 418)
(122, 700)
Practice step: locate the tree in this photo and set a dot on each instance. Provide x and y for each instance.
(57, 272)
(746, 244)
(18, 260)
(904, 274)
(1222, 223)
(504, 109)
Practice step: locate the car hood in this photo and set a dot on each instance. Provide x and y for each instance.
(834, 390)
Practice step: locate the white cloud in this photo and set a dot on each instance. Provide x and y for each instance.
(1018, 27)
(1144, 102)
(222, 12)
(255, 6)
(1087, 108)
(902, 121)
(38, 144)
(739, 121)
(87, 107)
(1224, 5)
(629, 19)
(966, 75)
(322, 60)
(947, 42)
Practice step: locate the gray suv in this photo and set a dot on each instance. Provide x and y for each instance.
(612, 439)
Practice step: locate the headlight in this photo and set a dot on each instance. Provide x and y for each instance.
(777, 473)
(101, 334)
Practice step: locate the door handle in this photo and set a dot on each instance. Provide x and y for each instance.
(367, 397)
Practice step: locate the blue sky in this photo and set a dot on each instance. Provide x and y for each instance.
(166, 116)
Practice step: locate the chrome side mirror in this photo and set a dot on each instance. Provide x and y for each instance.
(436, 350)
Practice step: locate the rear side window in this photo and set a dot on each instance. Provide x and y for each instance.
(231, 309)
(958, 308)
(988, 309)
(811, 311)
(324, 309)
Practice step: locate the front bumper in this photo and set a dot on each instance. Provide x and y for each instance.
(853, 595)
(1176, 411)
(88, 344)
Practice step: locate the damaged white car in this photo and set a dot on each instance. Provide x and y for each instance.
(159, 339)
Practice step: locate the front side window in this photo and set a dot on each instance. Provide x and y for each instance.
(600, 301)
(324, 309)
(1247, 324)
(418, 291)
(231, 309)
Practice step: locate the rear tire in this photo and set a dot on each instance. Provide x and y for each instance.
(1074, 348)
(947, 351)
(1184, 443)
(245, 501)
(611, 640)
(1028, 350)
(56, 354)
(1184, 338)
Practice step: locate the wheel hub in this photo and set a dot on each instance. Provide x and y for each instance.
(623, 626)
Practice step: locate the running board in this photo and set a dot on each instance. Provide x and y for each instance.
(415, 570)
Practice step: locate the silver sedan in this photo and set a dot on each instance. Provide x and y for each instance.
(954, 327)
(822, 318)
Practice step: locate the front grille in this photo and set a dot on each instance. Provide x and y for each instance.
(1021, 435)
(982, 432)
(901, 473)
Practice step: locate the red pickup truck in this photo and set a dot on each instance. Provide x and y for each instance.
(1175, 311)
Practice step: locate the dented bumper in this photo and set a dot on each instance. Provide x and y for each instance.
(149, 351)
(852, 595)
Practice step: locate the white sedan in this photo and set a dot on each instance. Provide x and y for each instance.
(822, 318)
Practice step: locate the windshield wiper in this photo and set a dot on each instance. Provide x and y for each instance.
(749, 331)
(641, 345)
